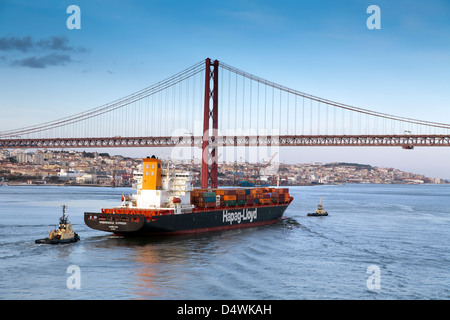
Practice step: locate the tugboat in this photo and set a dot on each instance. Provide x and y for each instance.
(64, 233)
(319, 212)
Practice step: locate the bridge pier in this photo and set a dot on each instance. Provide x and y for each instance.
(211, 72)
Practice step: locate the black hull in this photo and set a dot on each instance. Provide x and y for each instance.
(317, 214)
(194, 222)
(57, 241)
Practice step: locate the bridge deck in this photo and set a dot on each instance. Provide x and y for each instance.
(191, 141)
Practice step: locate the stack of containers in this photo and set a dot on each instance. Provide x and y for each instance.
(285, 193)
(264, 198)
(195, 196)
(249, 198)
(203, 198)
(206, 198)
(280, 195)
(209, 199)
(240, 197)
(228, 196)
(256, 195)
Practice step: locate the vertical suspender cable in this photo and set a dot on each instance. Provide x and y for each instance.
(193, 104)
(334, 120)
(229, 100)
(351, 123)
(359, 123)
(303, 117)
(243, 103)
(250, 108)
(295, 122)
(180, 108)
(318, 117)
(257, 112)
(235, 103)
(188, 106)
(273, 102)
(287, 124)
(221, 101)
(279, 116)
(265, 107)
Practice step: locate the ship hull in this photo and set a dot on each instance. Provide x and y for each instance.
(317, 214)
(57, 241)
(185, 223)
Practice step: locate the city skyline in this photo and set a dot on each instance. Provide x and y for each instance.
(322, 48)
(49, 166)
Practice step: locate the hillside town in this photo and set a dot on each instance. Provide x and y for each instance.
(102, 169)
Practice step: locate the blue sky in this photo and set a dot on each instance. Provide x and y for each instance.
(320, 47)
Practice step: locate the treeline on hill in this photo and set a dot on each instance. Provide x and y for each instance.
(347, 164)
(92, 155)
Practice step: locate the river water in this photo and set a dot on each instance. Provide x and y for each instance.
(378, 242)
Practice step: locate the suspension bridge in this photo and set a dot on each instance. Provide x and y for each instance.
(212, 104)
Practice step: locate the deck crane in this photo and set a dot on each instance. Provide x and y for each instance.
(263, 169)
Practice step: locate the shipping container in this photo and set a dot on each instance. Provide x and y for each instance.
(209, 194)
(225, 192)
(230, 202)
(256, 191)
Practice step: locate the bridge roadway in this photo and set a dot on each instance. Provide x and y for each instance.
(405, 141)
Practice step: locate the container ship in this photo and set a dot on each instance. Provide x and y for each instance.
(166, 203)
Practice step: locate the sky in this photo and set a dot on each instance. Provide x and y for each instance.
(322, 47)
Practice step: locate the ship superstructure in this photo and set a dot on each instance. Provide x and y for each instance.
(160, 189)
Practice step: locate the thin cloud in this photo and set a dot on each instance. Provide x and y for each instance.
(46, 52)
(42, 62)
(58, 44)
(13, 43)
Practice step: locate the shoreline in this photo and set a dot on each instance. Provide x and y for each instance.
(59, 185)
(222, 186)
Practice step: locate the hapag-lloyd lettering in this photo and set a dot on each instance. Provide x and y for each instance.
(240, 216)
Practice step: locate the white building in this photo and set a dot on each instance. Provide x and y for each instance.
(70, 174)
(87, 178)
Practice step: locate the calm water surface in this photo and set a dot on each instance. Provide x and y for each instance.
(400, 231)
